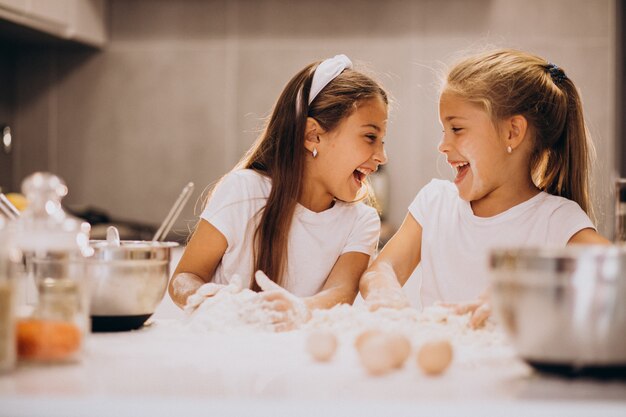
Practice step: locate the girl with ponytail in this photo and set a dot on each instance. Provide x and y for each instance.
(513, 131)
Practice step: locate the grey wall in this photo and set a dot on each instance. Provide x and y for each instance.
(620, 87)
(181, 89)
(7, 106)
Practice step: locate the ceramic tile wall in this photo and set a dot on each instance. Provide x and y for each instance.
(180, 91)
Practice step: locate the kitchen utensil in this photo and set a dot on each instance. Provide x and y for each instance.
(7, 209)
(113, 236)
(171, 217)
(127, 282)
(564, 309)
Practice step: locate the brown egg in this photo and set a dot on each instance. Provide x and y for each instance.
(381, 352)
(400, 348)
(321, 345)
(434, 357)
(358, 342)
(376, 353)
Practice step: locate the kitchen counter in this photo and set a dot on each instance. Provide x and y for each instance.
(164, 368)
(167, 368)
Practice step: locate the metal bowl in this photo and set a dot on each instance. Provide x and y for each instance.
(127, 282)
(564, 309)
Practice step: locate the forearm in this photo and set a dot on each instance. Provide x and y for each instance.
(330, 297)
(380, 275)
(380, 288)
(183, 285)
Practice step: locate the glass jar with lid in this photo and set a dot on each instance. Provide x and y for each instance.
(53, 312)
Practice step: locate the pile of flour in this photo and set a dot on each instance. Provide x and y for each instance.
(241, 311)
(227, 311)
(430, 324)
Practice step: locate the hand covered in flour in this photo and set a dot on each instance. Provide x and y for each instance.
(287, 310)
(383, 289)
(210, 289)
(480, 310)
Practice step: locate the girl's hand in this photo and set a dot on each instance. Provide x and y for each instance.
(480, 309)
(289, 311)
(387, 298)
(384, 289)
(209, 290)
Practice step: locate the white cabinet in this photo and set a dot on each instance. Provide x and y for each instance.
(77, 20)
(55, 12)
(89, 21)
(18, 6)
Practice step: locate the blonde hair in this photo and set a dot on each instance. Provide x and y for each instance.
(508, 82)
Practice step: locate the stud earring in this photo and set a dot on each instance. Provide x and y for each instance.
(509, 149)
(314, 152)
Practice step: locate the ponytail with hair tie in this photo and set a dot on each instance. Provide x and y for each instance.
(556, 73)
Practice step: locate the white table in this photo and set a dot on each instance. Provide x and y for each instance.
(164, 369)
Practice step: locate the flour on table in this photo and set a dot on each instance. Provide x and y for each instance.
(228, 311)
(430, 324)
(241, 311)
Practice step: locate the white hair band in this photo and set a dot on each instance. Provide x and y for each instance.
(326, 72)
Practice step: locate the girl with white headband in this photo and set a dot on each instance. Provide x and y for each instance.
(292, 207)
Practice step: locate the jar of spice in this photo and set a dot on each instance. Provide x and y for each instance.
(52, 325)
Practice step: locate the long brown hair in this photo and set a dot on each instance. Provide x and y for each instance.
(507, 82)
(279, 153)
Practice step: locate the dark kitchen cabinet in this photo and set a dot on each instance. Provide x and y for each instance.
(31, 31)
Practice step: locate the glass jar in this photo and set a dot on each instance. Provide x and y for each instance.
(7, 302)
(53, 313)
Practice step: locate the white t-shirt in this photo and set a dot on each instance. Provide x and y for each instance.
(316, 240)
(456, 243)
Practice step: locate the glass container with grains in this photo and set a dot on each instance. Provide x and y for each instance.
(53, 313)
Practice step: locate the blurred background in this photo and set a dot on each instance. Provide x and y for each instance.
(128, 100)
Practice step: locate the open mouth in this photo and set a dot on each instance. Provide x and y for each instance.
(461, 170)
(360, 174)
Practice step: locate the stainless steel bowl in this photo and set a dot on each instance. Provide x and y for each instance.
(564, 309)
(127, 282)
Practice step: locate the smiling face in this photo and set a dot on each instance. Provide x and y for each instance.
(473, 147)
(346, 155)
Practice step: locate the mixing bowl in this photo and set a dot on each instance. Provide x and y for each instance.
(127, 282)
(564, 309)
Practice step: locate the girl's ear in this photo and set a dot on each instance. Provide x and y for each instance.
(312, 134)
(516, 128)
